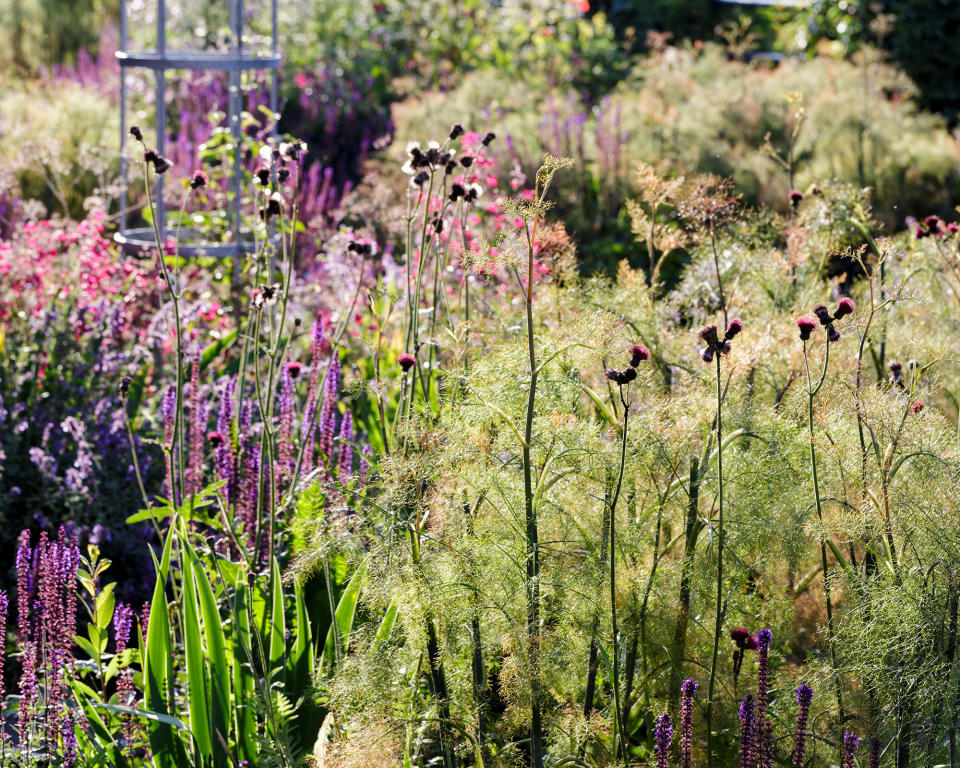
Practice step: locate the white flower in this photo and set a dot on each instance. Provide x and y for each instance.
(433, 145)
(412, 145)
(408, 168)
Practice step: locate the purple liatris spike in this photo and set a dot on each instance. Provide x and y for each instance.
(687, 691)
(747, 730)
(663, 734)
(804, 697)
(851, 743)
(345, 455)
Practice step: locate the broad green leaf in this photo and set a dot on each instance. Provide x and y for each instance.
(165, 745)
(243, 685)
(198, 700)
(278, 625)
(219, 669)
(346, 610)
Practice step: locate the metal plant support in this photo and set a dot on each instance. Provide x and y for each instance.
(234, 62)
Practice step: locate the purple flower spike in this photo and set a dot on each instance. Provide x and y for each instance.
(762, 730)
(747, 746)
(345, 457)
(663, 734)
(804, 697)
(876, 750)
(687, 691)
(851, 743)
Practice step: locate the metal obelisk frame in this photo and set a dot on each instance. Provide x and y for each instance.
(234, 62)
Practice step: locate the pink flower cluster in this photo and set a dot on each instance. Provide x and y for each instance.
(48, 261)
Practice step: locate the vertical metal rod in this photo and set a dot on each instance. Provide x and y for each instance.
(161, 99)
(235, 106)
(123, 122)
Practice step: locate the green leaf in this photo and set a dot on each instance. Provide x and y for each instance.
(301, 663)
(243, 686)
(386, 626)
(104, 606)
(198, 700)
(219, 669)
(278, 625)
(346, 610)
(167, 749)
(146, 714)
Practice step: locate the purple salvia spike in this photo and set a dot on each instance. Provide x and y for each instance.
(762, 738)
(851, 742)
(328, 429)
(122, 624)
(332, 383)
(25, 579)
(224, 451)
(687, 691)
(876, 750)
(747, 730)
(168, 411)
(198, 429)
(345, 457)
(285, 446)
(804, 697)
(663, 735)
(4, 606)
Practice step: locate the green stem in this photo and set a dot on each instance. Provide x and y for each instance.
(719, 621)
(618, 714)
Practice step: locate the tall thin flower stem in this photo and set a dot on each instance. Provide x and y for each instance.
(718, 626)
(812, 392)
(615, 661)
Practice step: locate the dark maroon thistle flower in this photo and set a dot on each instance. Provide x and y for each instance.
(215, 438)
(745, 641)
(806, 326)
(638, 353)
(456, 131)
(916, 407)
(795, 197)
(199, 180)
(714, 345)
(844, 307)
(294, 368)
(488, 138)
(136, 132)
(406, 361)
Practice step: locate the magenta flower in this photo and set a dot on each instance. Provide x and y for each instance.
(806, 326)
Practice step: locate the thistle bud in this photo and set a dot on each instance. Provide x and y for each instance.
(136, 133)
(638, 353)
(733, 328)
